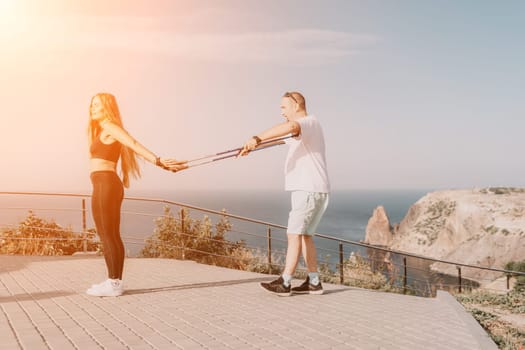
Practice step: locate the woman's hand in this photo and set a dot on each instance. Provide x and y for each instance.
(173, 164)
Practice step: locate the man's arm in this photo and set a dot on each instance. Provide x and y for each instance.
(289, 127)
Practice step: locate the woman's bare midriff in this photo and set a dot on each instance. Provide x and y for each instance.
(97, 164)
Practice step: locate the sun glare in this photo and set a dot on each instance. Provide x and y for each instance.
(13, 24)
(7, 7)
(8, 11)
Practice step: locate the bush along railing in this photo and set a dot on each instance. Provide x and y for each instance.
(183, 237)
(37, 236)
(519, 286)
(200, 240)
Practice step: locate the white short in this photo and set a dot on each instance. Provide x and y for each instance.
(307, 210)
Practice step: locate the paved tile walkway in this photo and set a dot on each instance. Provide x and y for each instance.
(171, 304)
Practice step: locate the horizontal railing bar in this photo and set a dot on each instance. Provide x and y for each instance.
(53, 194)
(41, 239)
(416, 255)
(36, 208)
(221, 213)
(155, 200)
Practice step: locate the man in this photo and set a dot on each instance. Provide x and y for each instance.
(306, 177)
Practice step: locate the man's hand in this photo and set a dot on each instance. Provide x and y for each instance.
(173, 164)
(250, 145)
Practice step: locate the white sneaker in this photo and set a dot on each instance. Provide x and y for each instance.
(98, 284)
(108, 288)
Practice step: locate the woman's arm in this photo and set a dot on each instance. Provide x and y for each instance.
(127, 140)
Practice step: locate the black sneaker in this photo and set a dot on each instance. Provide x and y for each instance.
(277, 287)
(308, 288)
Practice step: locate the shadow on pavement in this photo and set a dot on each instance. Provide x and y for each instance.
(34, 296)
(216, 284)
(195, 285)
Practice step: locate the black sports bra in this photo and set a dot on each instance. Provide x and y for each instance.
(101, 150)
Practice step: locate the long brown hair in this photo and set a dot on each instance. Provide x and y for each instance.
(128, 160)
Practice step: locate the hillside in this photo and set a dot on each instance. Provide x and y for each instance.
(484, 227)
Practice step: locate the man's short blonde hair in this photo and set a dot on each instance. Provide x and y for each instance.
(297, 97)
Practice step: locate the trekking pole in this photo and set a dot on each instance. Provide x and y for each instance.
(234, 152)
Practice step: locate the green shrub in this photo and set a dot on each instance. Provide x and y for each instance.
(185, 238)
(518, 266)
(503, 190)
(363, 273)
(37, 236)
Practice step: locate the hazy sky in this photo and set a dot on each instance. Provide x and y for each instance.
(411, 94)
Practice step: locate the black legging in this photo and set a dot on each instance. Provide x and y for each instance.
(106, 200)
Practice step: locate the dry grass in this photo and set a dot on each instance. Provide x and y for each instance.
(501, 315)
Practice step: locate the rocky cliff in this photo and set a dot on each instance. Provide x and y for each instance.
(484, 227)
(378, 230)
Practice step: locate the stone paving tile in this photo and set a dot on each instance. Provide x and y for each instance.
(172, 304)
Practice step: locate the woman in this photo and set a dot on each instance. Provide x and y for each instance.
(109, 142)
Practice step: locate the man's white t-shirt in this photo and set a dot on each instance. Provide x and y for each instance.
(305, 167)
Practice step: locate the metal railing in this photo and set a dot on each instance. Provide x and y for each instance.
(398, 259)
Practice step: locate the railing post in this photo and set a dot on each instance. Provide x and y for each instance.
(341, 266)
(269, 237)
(405, 275)
(84, 228)
(181, 219)
(459, 277)
(508, 281)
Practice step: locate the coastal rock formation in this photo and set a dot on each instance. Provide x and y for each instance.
(484, 227)
(378, 229)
